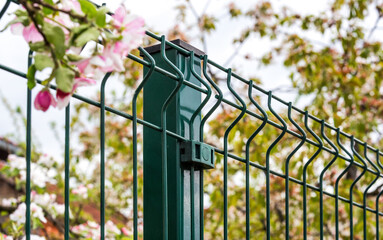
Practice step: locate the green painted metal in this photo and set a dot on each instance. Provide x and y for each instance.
(28, 158)
(67, 175)
(174, 84)
(305, 174)
(336, 154)
(167, 182)
(102, 156)
(351, 160)
(287, 167)
(248, 157)
(377, 173)
(225, 146)
(134, 109)
(351, 214)
(268, 225)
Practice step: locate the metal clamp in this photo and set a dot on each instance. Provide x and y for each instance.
(197, 154)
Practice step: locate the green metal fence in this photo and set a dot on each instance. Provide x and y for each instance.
(178, 90)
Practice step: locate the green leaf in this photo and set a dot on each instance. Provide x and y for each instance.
(86, 36)
(56, 36)
(46, 10)
(31, 76)
(64, 79)
(101, 16)
(74, 57)
(38, 46)
(43, 61)
(88, 8)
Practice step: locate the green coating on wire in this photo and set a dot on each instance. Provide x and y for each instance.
(225, 143)
(287, 166)
(351, 160)
(67, 167)
(248, 142)
(336, 153)
(134, 120)
(28, 158)
(164, 140)
(305, 174)
(267, 167)
(102, 156)
(353, 185)
(365, 193)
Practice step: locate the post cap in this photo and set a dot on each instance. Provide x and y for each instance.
(157, 48)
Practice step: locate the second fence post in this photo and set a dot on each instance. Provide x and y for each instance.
(178, 115)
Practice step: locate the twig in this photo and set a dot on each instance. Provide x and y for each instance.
(70, 12)
(31, 12)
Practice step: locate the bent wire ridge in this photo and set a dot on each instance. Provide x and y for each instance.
(102, 155)
(351, 161)
(268, 225)
(164, 135)
(248, 142)
(134, 109)
(366, 190)
(336, 154)
(305, 174)
(225, 143)
(219, 99)
(203, 103)
(353, 185)
(287, 194)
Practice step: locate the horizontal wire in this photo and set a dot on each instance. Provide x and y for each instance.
(176, 136)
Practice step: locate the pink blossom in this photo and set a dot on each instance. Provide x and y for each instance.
(63, 98)
(119, 16)
(43, 100)
(126, 231)
(71, 5)
(31, 34)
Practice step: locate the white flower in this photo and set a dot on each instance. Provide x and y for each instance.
(44, 199)
(111, 228)
(16, 162)
(81, 190)
(18, 215)
(8, 202)
(35, 237)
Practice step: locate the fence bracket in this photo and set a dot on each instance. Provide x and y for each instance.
(197, 154)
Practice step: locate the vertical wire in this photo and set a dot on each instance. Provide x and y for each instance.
(203, 121)
(28, 158)
(305, 174)
(287, 178)
(377, 197)
(152, 63)
(4, 9)
(353, 185)
(351, 161)
(180, 78)
(225, 142)
(192, 119)
(377, 172)
(268, 225)
(102, 156)
(248, 157)
(67, 167)
(336, 154)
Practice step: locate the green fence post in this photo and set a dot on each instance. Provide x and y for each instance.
(178, 115)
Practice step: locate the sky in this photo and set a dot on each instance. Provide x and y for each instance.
(158, 15)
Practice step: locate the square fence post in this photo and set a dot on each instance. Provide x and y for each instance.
(179, 112)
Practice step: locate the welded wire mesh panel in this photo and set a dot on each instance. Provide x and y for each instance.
(279, 172)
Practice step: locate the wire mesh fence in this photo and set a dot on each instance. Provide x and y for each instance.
(278, 171)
